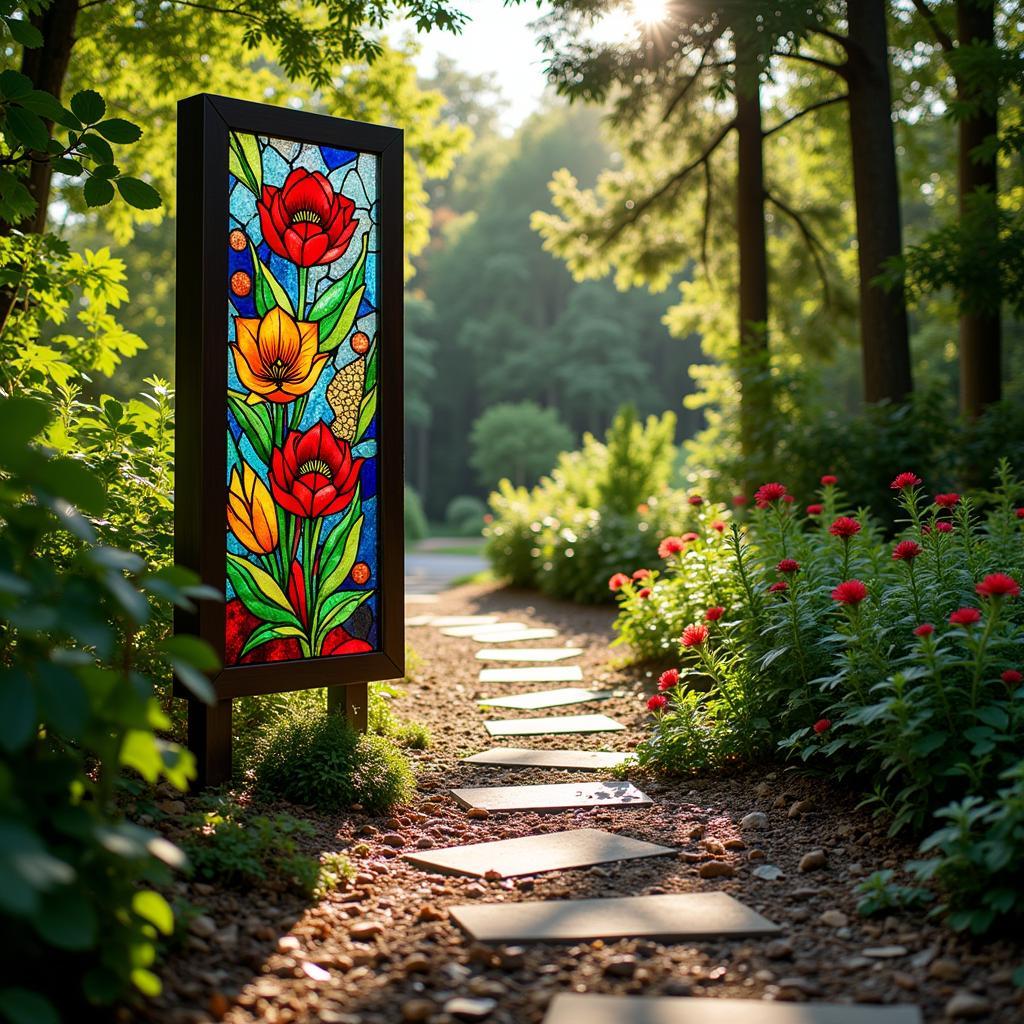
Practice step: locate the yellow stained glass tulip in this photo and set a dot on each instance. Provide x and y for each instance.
(252, 515)
(276, 358)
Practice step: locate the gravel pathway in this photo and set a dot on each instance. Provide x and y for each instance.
(383, 950)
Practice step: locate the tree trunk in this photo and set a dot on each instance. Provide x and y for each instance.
(885, 346)
(47, 66)
(980, 329)
(755, 393)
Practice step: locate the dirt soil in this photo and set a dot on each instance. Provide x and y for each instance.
(382, 950)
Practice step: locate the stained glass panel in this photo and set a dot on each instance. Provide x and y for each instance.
(302, 352)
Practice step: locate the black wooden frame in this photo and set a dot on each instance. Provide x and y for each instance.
(204, 122)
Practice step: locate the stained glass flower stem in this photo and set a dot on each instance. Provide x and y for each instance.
(303, 281)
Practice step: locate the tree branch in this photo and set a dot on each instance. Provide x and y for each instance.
(942, 37)
(843, 41)
(687, 85)
(706, 226)
(812, 240)
(807, 110)
(673, 182)
(839, 69)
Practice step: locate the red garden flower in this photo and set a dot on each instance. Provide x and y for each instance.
(850, 592)
(718, 525)
(1020, 513)
(788, 565)
(998, 584)
(670, 546)
(643, 508)
(965, 617)
(767, 493)
(641, 574)
(643, 593)
(844, 527)
(904, 480)
(822, 725)
(657, 703)
(313, 473)
(668, 679)
(714, 614)
(925, 629)
(305, 220)
(694, 636)
(906, 551)
(688, 538)
(742, 499)
(815, 509)
(617, 581)
(828, 480)
(695, 500)
(1012, 677)
(788, 499)
(778, 588)
(946, 500)
(944, 526)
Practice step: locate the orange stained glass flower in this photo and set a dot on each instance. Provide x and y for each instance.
(252, 516)
(276, 358)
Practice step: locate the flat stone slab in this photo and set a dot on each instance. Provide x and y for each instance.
(530, 855)
(421, 598)
(480, 621)
(532, 674)
(529, 654)
(507, 636)
(672, 918)
(470, 630)
(552, 725)
(559, 796)
(420, 620)
(523, 757)
(572, 1007)
(545, 698)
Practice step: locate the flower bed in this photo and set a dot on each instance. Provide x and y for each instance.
(896, 664)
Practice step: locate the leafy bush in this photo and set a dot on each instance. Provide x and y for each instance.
(416, 527)
(382, 720)
(600, 505)
(78, 721)
(465, 515)
(519, 440)
(895, 663)
(235, 846)
(314, 758)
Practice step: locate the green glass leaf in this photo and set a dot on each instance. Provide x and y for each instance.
(345, 321)
(367, 409)
(343, 561)
(244, 161)
(268, 631)
(371, 366)
(259, 591)
(98, 191)
(268, 291)
(338, 294)
(118, 130)
(337, 610)
(88, 106)
(25, 128)
(255, 423)
(334, 543)
(138, 193)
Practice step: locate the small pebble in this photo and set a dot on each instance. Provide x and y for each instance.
(813, 860)
(968, 1006)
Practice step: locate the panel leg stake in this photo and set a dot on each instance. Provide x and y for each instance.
(351, 701)
(209, 738)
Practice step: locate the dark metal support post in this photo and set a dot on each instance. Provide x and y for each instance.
(209, 738)
(351, 701)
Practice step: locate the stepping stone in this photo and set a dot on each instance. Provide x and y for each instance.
(499, 636)
(532, 674)
(480, 621)
(546, 698)
(523, 757)
(470, 630)
(420, 620)
(572, 1007)
(673, 918)
(529, 855)
(529, 654)
(559, 796)
(552, 725)
(421, 598)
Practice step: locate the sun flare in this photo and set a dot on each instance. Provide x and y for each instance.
(648, 12)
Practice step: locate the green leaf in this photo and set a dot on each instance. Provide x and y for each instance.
(268, 292)
(370, 380)
(24, 32)
(338, 294)
(20, 1006)
(367, 409)
(255, 423)
(26, 128)
(146, 982)
(152, 907)
(259, 592)
(244, 161)
(66, 919)
(97, 147)
(45, 104)
(138, 193)
(192, 649)
(345, 321)
(118, 130)
(63, 703)
(197, 684)
(141, 751)
(337, 609)
(98, 191)
(65, 165)
(268, 631)
(69, 479)
(107, 171)
(21, 420)
(88, 106)
(342, 559)
(17, 710)
(13, 84)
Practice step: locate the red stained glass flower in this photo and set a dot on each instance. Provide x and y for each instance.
(695, 635)
(925, 629)
(767, 493)
(822, 725)
(788, 565)
(904, 480)
(668, 679)
(998, 584)
(657, 703)
(313, 473)
(946, 500)
(815, 509)
(617, 581)
(305, 220)
(965, 617)
(850, 592)
(714, 614)
(906, 551)
(670, 546)
(844, 527)
(828, 480)
(778, 588)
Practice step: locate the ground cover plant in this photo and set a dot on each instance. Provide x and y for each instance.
(892, 663)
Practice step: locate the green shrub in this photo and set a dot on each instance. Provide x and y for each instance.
(78, 727)
(234, 846)
(519, 440)
(316, 759)
(383, 721)
(416, 527)
(465, 515)
(892, 664)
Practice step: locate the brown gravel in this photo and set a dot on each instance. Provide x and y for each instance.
(382, 950)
